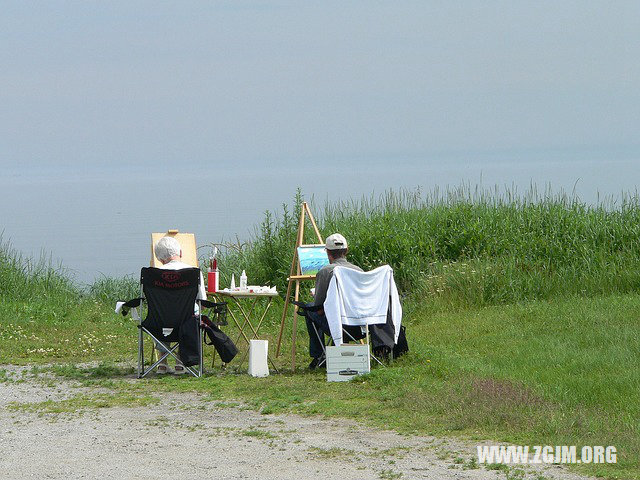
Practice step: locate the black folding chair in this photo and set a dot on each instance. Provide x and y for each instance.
(354, 334)
(170, 296)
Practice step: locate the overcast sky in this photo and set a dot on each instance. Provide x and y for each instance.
(90, 83)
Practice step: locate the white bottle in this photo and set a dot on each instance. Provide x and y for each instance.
(243, 281)
(233, 282)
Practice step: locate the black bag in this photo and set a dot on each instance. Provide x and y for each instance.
(220, 340)
(402, 346)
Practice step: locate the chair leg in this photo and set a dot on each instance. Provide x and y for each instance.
(371, 351)
(168, 351)
(140, 353)
(201, 351)
(324, 349)
(368, 344)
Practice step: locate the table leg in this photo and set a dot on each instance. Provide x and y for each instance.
(246, 317)
(242, 334)
(255, 332)
(264, 314)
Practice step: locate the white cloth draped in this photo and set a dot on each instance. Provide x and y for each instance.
(361, 298)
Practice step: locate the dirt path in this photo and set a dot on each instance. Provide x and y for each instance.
(185, 437)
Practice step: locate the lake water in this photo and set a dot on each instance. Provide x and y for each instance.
(98, 220)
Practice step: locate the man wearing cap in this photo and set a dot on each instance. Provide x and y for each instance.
(336, 247)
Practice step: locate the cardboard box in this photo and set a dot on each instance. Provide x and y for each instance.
(347, 361)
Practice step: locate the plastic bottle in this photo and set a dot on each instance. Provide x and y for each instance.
(243, 281)
(233, 282)
(216, 274)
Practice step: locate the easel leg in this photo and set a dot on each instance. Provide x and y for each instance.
(295, 329)
(286, 302)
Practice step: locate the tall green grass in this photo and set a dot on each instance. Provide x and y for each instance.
(26, 279)
(23, 278)
(110, 289)
(466, 246)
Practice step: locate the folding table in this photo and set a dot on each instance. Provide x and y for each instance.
(242, 315)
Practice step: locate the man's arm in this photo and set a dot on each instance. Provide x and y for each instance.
(322, 285)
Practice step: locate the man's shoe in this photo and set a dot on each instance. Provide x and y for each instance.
(179, 370)
(318, 362)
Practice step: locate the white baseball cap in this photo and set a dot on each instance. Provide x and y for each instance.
(336, 242)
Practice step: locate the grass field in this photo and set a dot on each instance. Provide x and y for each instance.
(504, 345)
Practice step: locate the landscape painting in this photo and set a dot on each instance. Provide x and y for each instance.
(312, 259)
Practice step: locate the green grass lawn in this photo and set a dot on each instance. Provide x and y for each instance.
(561, 372)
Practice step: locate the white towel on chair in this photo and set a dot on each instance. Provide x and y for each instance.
(361, 298)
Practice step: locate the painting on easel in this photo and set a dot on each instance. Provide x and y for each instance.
(312, 259)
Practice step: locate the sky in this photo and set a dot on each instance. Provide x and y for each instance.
(231, 105)
(89, 83)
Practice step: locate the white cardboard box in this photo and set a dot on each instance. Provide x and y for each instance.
(347, 361)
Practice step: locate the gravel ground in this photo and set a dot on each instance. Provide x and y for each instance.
(185, 436)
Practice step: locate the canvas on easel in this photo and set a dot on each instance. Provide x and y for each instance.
(187, 243)
(311, 259)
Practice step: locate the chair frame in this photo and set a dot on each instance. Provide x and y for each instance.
(344, 332)
(166, 351)
(303, 306)
(134, 306)
(170, 351)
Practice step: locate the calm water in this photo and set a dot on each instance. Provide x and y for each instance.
(97, 220)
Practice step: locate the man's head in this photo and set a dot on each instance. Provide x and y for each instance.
(168, 249)
(336, 246)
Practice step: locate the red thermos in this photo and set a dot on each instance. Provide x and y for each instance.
(212, 275)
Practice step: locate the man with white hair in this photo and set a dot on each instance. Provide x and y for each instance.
(169, 252)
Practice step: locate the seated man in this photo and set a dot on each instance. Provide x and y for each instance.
(336, 247)
(169, 252)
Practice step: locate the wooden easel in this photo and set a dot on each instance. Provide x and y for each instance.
(297, 278)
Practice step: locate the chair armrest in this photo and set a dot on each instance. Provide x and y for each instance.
(219, 311)
(307, 307)
(133, 303)
(209, 304)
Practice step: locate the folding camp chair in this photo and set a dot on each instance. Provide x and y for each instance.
(367, 300)
(354, 334)
(170, 296)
